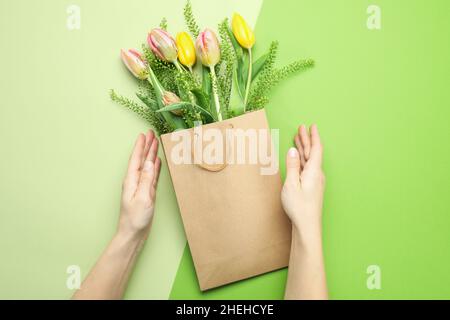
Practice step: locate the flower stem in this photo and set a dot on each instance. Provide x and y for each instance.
(159, 92)
(154, 81)
(178, 66)
(249, 77)
(214, 89)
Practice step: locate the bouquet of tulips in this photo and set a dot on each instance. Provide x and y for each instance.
(184, 84)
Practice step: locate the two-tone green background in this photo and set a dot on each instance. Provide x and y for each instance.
(381, 99)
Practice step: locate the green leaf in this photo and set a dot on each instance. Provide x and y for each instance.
(201, 97)
(172, 120)
(239, 79)
(259, 64)
(206, 80)
(206, 113)
(174, 106)
(183, 105)
(236, 101)
(149, 102)
(207, 87)
(236, 45)
(179, 122)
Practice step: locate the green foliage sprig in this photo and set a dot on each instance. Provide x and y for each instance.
(226, 66)
(190, 20)
(269, 77)
(164, 71)
(163, 24)
(146, 113)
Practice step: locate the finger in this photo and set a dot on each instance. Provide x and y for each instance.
(153, 151)
(134, 164)
(316, 147)
(148, 142)
(299, 146)
(293, 166)
(306, 142)
(157, 171)
(156, 179)
(135, 159)
(146, 180)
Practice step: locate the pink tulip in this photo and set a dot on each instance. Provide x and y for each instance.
(162, 45)
(134, 62)
(171, 98)
(208, 48)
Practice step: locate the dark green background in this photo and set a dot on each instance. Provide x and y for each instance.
(381, 100)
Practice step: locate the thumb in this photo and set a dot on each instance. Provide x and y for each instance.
(293, 166)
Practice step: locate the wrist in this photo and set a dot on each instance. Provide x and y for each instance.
(131, 237)
(127, 229)
(307, 238)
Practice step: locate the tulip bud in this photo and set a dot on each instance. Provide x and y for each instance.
(134, 62)
(242, 32)
(162, 45)
(171, 98)
(186, 49)
(208, 48)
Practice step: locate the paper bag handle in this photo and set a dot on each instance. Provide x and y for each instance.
(212, 167)
(220, 166)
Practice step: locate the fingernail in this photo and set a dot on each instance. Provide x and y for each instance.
(293, 153)
(148, 166)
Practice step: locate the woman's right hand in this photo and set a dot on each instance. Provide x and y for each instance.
(302, 194)
(302, 198)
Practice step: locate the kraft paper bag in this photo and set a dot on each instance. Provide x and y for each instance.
(232, 214)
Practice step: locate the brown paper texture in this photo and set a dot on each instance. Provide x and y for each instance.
(233, 218)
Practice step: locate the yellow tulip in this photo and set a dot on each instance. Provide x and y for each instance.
(186, 49)
(242, 32)
(246, 38)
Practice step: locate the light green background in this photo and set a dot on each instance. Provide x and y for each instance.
(380, 98)
(65, 145)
